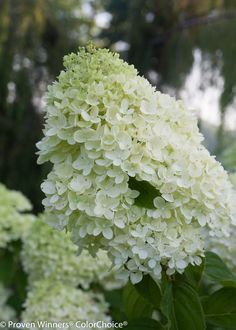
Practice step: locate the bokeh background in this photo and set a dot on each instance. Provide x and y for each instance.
(186, 48)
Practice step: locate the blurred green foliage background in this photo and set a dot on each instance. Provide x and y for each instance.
(185, 47)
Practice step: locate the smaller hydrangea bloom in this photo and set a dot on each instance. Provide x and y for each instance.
(7, 313)
(13, 219)
(107, 132)
(56, 302)
(51, 254)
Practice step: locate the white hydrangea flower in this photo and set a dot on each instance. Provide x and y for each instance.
(13, 220)
(107, 132)
(7, 313)
(50, 254)
(225, 247)
(56, 302)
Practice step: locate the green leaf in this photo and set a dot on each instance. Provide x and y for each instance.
(220, 308)
(193, 274)
(167, 306)
(115, 301)
(182, 307)
(188, 308)
(147, 193)
(217, 271)
(12, 274)
(144, 324)
(150, 290)
(135, 305)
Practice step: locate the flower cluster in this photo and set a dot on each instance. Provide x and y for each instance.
(108, 134)
(13, 221)
(6, 312)
(50, 254)
(225, 247)
(60, 303)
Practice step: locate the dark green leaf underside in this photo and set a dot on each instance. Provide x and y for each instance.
(135, 305)
(150, 290)
(147, 193)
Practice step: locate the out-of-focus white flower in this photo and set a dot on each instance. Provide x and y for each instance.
(6, 312)
(50, 254)
(13, 220)
(57, 302)
(106, 127)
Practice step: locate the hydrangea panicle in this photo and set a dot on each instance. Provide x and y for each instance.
(7, 313)
(106, 127)
(51, 255)
(56, 302)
